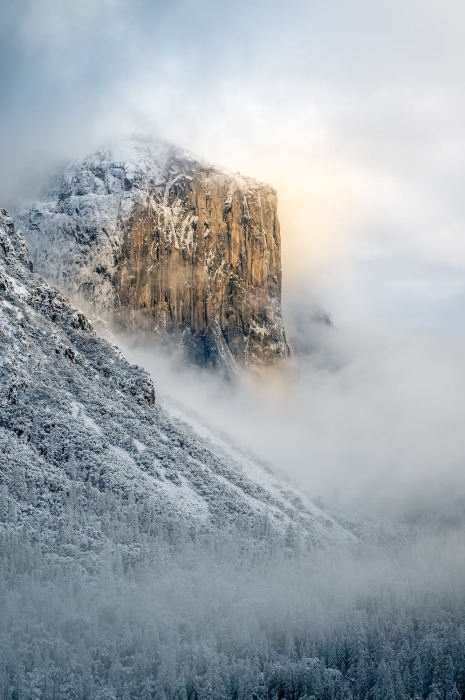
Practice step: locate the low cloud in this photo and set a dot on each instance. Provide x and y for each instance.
(366, 418)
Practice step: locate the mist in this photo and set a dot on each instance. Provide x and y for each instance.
(367, 418)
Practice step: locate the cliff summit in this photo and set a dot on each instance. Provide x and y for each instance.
(169, 247)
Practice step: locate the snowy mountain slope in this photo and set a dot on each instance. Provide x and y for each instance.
(75, 415)
(263, 473)
(169, 246)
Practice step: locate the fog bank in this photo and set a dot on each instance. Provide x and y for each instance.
(365, 417)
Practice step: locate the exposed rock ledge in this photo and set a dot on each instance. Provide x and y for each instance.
(167, 245)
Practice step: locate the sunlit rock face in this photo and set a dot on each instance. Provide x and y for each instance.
(170, 247)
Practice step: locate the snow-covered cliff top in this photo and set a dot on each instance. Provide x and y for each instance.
(187, 252)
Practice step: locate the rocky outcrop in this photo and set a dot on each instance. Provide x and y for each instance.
(169, 247)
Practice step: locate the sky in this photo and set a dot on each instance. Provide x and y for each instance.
(355, 111)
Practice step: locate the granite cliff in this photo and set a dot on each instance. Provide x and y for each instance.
(169, 247)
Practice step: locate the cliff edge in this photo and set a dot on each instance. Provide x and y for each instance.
(167, 246)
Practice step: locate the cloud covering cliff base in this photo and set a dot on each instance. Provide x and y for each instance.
(366, 418)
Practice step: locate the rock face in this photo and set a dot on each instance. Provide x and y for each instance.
(167, 245)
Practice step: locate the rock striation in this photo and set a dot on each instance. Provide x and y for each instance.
(169, 247)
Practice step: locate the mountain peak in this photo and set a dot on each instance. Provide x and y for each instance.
(169, 247)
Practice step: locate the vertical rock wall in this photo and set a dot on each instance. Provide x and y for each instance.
(168, 246)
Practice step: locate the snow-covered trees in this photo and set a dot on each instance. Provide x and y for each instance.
(117, 601)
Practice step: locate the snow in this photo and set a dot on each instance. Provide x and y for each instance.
(263, 474)
(139, 445)
(18, 288)
(186, 499)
